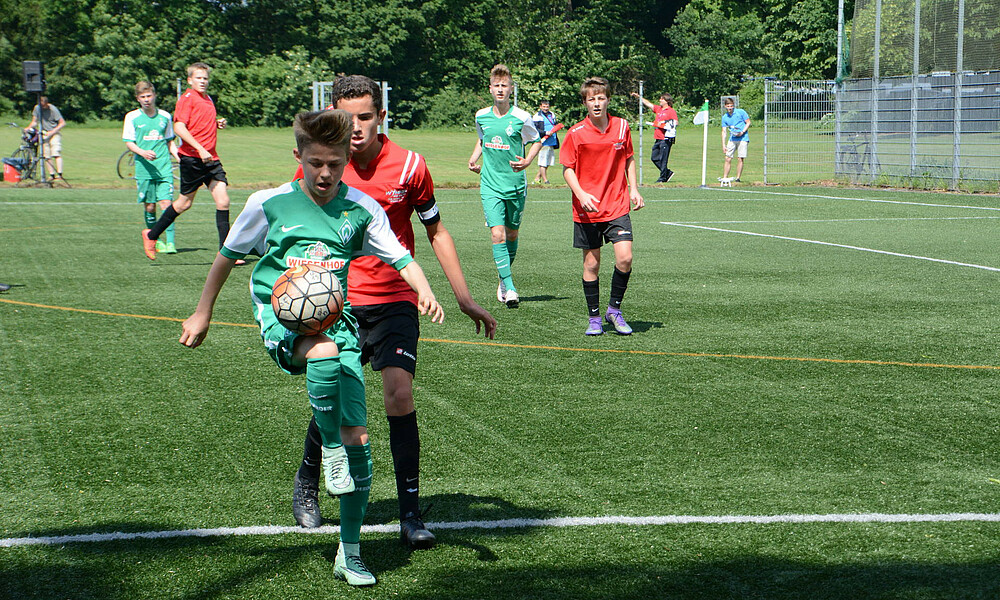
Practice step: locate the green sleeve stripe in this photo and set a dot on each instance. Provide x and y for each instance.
(399, 264)
(230, 254)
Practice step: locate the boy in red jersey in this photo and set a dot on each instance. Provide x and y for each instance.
(599, 166)
(196, 123)
(384, 304)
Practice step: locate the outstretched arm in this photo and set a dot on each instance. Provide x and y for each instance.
(444, 248)
(427, 304)
(195, 327)
(645, 102)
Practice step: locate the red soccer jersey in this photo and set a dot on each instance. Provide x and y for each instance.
(661, 121)
(598, 158)
(399, 181)
(197, 112)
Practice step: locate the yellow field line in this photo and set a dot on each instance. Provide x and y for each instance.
(842, 361)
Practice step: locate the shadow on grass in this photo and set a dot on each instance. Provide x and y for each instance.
(543, 298)
(210, 568)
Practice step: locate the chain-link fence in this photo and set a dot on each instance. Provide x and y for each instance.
(940, 130)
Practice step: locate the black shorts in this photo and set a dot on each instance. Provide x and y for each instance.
(389, 334)
(195, 172)
(591, 236)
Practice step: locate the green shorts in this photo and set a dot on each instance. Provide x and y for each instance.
(504, 211)
(154, 190)
(280, 343)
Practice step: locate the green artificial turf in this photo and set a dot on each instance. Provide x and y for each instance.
(766, 376)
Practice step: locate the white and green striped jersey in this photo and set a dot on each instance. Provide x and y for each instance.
(503, 139)
(286, 228)
(150, 133)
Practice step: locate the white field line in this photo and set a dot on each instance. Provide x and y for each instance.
(512, 524)
(876, 219)
(849, 247)
(876, 200)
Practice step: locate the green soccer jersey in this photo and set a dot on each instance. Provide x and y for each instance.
(150, 133)
(503, 139)
(286, 229)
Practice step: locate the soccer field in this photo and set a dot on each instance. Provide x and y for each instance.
(808, 409)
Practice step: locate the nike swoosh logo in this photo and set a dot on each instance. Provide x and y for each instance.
(409, 479)
(287, 229)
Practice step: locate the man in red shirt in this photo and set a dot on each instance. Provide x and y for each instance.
(384, 304)
(599, 166)
(196, 123)
(664, 133)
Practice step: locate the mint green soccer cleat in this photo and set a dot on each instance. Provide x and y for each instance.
(336, 472)
(160, 246)
(170, 248)
(351, 569)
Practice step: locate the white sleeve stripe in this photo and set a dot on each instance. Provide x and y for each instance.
(413, 168)
(406, 165)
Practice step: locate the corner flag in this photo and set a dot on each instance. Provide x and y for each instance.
(702, 115)
(701, 118)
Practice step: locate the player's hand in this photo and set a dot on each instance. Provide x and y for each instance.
(221, 123)
(637, 201)
(205, 155)
(589, 203)
(635, 94)
(148, 154)
(481, 317)
(195, 328)
(520, 164)
(474, 167)
(428, 305)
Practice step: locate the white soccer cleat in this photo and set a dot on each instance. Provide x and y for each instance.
(336, 473)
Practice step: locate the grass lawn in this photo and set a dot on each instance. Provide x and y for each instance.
(804, 361)
(257, 158)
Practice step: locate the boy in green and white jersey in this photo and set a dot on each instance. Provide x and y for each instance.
(149, 133)
(322, 221)
(503, 132)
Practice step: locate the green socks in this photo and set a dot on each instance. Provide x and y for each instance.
(354, 506)
(502, 258)
(323, 385)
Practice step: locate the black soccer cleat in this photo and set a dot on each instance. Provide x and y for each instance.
(305, 502)
(415, 534)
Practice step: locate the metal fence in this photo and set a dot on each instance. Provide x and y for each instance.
(799, 130)
(938, 130)
(322, 93)
(927, 131)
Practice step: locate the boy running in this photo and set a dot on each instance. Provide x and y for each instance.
(196, 123)
(383, 303)
(149, 133)
(319, 220)
(503, 131)
(598, 165)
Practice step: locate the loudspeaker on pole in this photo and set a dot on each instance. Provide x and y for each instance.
(34, 76)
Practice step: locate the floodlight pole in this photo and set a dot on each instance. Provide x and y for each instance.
(641, 128)
(385, 106)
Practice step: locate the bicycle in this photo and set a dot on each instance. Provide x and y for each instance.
(126, 166)
(25, 159)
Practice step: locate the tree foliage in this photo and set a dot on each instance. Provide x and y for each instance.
(436, 54)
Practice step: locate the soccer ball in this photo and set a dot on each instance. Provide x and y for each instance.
(307, 299)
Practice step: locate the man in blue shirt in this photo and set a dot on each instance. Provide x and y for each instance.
(545, 123)
(735, 124)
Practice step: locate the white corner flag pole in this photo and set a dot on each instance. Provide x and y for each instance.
(701, 118)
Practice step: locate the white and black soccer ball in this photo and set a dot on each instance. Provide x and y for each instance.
(307, 299)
